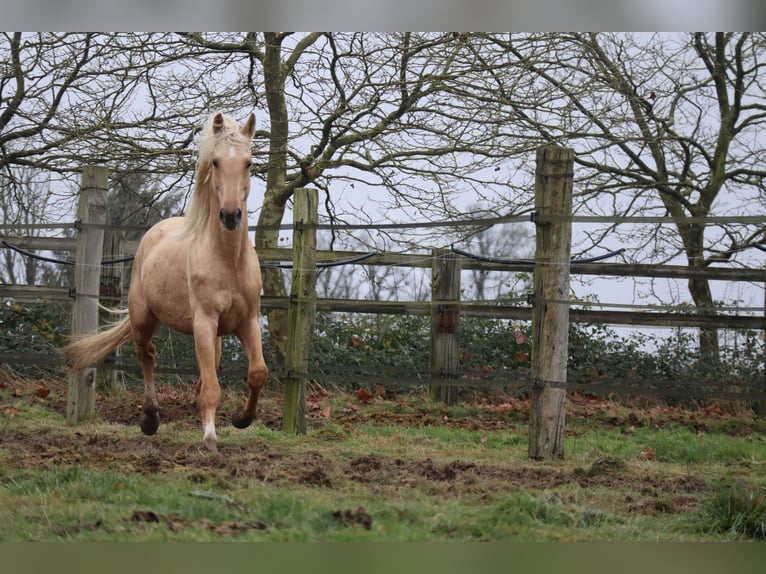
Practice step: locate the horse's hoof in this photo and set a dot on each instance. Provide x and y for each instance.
(210, 444)
(241, 419)
(149, 421)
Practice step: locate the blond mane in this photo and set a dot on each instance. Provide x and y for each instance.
(200, 204)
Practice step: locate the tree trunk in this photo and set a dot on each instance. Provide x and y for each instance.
(703, 300)
(276, 196)
(693, 237)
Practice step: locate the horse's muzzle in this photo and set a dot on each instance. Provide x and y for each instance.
(230, 219)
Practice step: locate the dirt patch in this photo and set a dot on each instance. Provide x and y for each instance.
(237, 466)
(662, 505)
(354, 517)
(419, 418)
(177, 523)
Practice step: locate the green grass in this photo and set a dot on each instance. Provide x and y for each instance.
(388, 471)
(673, 444)
(736, 509)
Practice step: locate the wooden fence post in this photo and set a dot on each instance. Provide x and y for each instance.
(301, 312)
(445, 325)
(91, 209)
(550, 311)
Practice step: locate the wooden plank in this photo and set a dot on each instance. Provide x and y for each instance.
(667, 271)
(666, 319)
(301, 309)
(423, 261)
(467, 309)
(34, 243)
(418, 260)
(550, 312)
(34, 293)
(81, 394)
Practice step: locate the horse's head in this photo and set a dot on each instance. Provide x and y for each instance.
(225, 161)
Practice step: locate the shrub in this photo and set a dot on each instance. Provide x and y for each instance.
(39, 329)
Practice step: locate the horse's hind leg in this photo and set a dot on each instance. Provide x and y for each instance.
(257, 373)
(147, 357)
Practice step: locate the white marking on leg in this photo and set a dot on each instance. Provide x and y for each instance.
(209, 432)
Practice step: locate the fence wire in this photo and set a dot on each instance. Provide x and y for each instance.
(398, 379)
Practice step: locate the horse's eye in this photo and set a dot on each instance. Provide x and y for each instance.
(215, 163)
(248, 164)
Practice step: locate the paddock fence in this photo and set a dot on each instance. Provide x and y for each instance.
(100, 258)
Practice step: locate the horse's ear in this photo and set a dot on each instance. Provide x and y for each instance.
(218, 123)
(248, 130)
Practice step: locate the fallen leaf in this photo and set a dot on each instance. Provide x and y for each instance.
(364, 395)
(647, 453)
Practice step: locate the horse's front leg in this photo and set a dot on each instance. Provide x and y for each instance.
(209, 395)
(257, 373)
(218, 353)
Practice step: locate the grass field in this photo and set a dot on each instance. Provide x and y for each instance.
(394, 469)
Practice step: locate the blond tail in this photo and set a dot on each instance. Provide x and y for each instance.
(85, 351)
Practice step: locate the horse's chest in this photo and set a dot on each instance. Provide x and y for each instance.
(229, 301)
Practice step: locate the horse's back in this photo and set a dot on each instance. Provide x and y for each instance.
(163, 242)
(159, 280)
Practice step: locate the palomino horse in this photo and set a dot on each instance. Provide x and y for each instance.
(200, 275)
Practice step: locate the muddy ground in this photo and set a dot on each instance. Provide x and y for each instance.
(235, 464)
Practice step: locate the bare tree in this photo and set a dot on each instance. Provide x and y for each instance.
(507, 242)
(408, 126)
(353, 113)
(26, 202)
(128, 101)
(350, 114)
(664, 125)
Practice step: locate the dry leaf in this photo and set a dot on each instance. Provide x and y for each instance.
(647, 453)
(364, 395)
